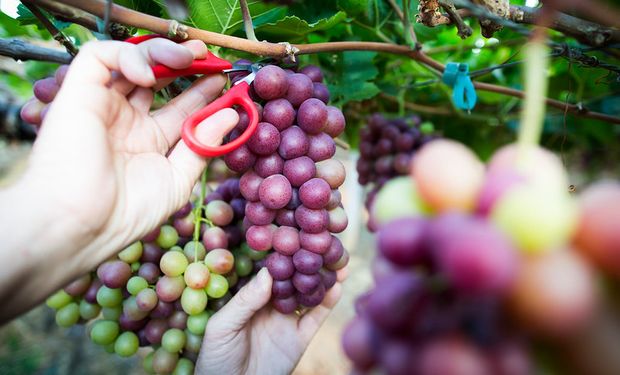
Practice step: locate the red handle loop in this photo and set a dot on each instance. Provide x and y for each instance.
(237, 94)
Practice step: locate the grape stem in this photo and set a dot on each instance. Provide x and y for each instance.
(247, 20)
(198, 211)
(158, 25)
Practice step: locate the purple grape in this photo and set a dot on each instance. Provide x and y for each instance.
(366, 150)
(238, 206)
(402, 163)
(295, 201)
(240, 160)
(320, 92)
(265, 139)
(275, 192)
(151, 253)
(397, 357)
(286, 218)
(149, 272)
(300, 88)
(307, 262)
(280, 266)
(335, 124)
(402, 241)
(334, 252)
(128, 324)
(78, 286)
(329, 278)
(390, 132)
(282, 289)
(340, 264)
(91, 294)
(183, 211)
(259, 237)
(394, 299)
(313, 72)
(299, 170)
(322, 147)
(405, 142)
(234, 235)
(312, 116)
(359, 341)
(285, 305)
(184, 225)
(315, 193)
(313, 298)
(280, 113)
(334, 199)
(306, 283)
(214, 238)
(269, 165)
(383, 165)
(270, 82)
(286, 240)
(248, 185)
(114, 274)
(294, 143)
(318, 243)
(178, 320)
(311, 221)
(383, 147)
(151, 236)
(45, 89)
(169, 289)
(162, 310)
(213, 196)
(154, 330)
(258, 214)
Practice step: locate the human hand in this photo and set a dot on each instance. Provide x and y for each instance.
(248, 336)
(104, 171)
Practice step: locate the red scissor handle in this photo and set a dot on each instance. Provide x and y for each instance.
(238, 94)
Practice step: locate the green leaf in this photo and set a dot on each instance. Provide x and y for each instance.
(292, 27)
(25, 17)
(223, 16)
(11, 27)
(353, 77)
(154, 8)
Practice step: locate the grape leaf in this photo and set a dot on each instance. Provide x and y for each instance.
(290, 28)
(354, 72)
(25, 17)
(10, 26)
(223, 16)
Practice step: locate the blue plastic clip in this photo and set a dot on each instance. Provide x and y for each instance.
(456, 75)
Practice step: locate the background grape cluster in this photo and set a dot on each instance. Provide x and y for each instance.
(291, 181)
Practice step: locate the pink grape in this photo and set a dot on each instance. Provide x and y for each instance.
(313, 72)
(322, 147)
(306, 283)
(275, 192)
(402, 241)
(300, 88)
(258, 214)
(315, 193)
(271, 82)
(311, 221)
(282, 288)
(280, 113)
(331, 171)
(280, 266)
(265, 139)
(318, 243)
(307, 262)
(285, 305)
(259, 237)
(294, 143)
(334, 252)
(299, 170)
(286, 218)
(320, 92)
(46, 89)
(312, 116)
(266, 166)
(220, 261)
(214, 238)
(249, 184)
(240, 159)
(313, 298)
(338, 220)
(335, 123)
(286, 240)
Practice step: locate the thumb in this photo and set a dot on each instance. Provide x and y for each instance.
(242, 307)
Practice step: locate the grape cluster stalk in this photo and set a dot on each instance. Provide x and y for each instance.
(290, 181)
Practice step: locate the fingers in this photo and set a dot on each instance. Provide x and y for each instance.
(242, 307)
(310, 323)
(141, 99)
(171, 116)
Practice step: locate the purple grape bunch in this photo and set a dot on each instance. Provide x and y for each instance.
(290, 181)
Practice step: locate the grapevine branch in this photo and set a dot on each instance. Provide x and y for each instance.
(161, 26)
(53, 30)
(20, 50)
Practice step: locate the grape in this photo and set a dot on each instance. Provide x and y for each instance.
(285, 305)
(300, 88)
(271, 82)
(334, 199)
(259, 237)
(358, 342)
(248, 184)
(131, 310)
(398, 198)
(295, 201)
(312, 116)
(243, 265)
(185, 225)
(60, 74)
(126, 344)
(328, 277)
(194, 301)
(286, 218)
(173, 263)
(194, 251)
(109, 297)
(280, 266)
(114, 274)
(311, 221)
(269, 165)
(451, 355)
(104, 332)
(282, 289)
(318, 243)
(147, 364)
(340, 264)
(384, 147)
(313, 72)
(164, 362)
(315, 193)
(321, 147)
(178, 319)
(280, 113)
(238, 206)
(68, 315)
(184, 367)
(265, 139)
(394, 301)
(167, 237)
(294, 143)
(320, 92)
(197, 323)
(402, 163)
(196, 275)
(162, 310)
(151, 236)
(131, 253)
(112, 313)
(154, 330)
(253, 254)
(258, 214)
(169, 288)
(331, 171)
(217, 286)
(306, 283)
(45, 89)
(146, 299)
(91, 294)
(240, 159)
(275, 192)
(151, 253)
(219, 212)
(334, 252)
(149, 272)
(89, 310)
(214, 238)
(402, 241)
(32, 110)
(307, 262)
(128, 324)
(173, 340)
(219, 261)
(286, 240)
(338, 220)
(192, 343)
(299, 170)
(58, 299)
(314, 298)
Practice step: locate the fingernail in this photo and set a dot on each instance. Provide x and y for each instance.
(148, 74)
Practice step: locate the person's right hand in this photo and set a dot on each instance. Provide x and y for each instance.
(248, 336)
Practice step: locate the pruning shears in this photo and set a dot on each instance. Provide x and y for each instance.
(238, 94)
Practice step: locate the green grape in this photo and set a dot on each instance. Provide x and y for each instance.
(173, 263)
(196, 324)
(126, 344)
(193, 301)
(147, 364)
(243, 265)
(58, 299)
(136, 284)
(108, 297)
(164, 362)
(68, 315)
(192, 342)
(168, 237)
(112, 313)
(89, 311)
(232, 279)
(397, 198)
(109, 348)
(131, 253)
(194, 248)
(104, 332)
(176, 248)
(253, 254)
(135, 266)
(184, 367)
(217, 286)
(173, 340)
